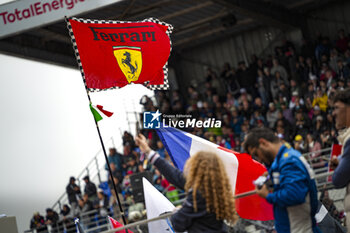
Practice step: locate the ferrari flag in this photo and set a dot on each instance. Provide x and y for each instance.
(112, 54)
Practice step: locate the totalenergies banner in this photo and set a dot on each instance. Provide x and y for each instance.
(112, 54)
(22, 15)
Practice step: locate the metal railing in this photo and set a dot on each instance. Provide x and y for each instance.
(94, 170)
(90, 221)
(319, 161)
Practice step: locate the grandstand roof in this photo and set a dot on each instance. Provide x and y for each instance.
(195, 22)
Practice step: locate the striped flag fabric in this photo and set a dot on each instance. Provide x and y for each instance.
(241, 169)
(98, 112)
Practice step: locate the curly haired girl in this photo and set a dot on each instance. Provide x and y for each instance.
(209, 199)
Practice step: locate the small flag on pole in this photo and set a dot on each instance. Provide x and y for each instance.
(78, 227)
(115, 224)
(98, 112)
(156, 204)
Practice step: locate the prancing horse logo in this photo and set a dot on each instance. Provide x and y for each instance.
(130, 61)
(127, 62)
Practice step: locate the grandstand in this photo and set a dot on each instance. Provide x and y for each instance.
(273, 64)
(91, 218)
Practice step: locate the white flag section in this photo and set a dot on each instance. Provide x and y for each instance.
(156, 204)
(228, 158)
(181, 146)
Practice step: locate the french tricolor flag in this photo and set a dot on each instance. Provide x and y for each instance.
(241, 169)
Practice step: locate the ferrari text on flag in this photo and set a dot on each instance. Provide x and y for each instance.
(112, 54)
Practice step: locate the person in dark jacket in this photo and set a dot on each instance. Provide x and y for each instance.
(66, 214)
(204, 209)
(51, 216)
(73, 191)
(326, 222)
(341, 176)
(38, 223)
(52, 219)
(90, 189)
(66, 218)
(116, 158)
(74, 194)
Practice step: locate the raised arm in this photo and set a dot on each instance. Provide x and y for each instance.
(172, 174)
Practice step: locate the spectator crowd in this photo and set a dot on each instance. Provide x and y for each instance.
(289, 92)
(94, 204)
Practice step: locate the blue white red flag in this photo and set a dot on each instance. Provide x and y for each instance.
(241, 169)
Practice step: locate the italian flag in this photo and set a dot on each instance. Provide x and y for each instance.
(98, 112)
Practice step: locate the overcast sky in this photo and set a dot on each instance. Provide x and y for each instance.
(47, 132)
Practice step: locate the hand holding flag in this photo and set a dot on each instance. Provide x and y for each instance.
(141, 141)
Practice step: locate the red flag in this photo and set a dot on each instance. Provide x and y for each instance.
(107, 113)
(251, 207)
(115, 224)
(336, 151)
(115, 53)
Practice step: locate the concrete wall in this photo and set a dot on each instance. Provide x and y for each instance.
(329, 19)
(193, 63)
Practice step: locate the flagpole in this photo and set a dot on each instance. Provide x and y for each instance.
(77, 56)
(166, 215)
(108, 165)
(246, 194)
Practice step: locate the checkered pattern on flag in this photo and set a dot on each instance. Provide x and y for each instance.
(112, 54)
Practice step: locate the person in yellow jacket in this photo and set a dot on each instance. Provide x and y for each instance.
(321, 99)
